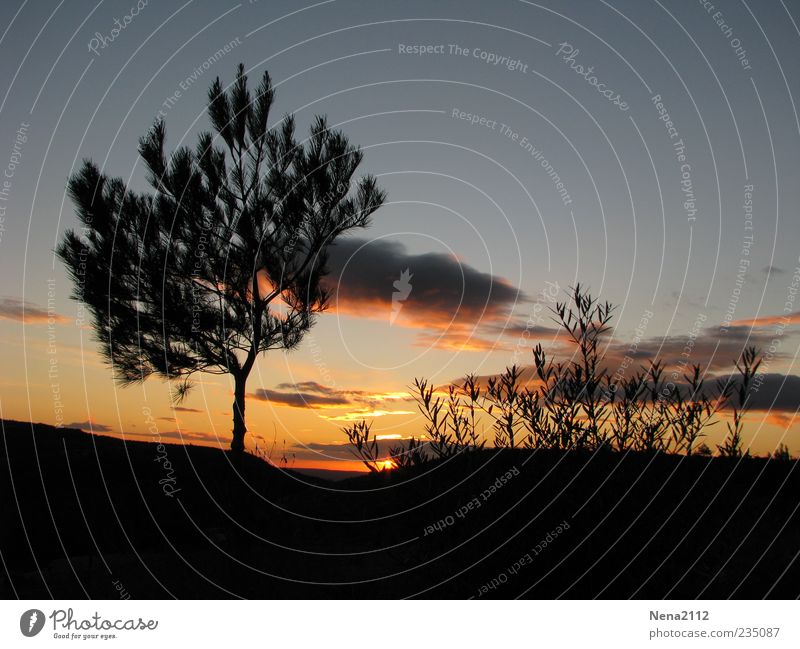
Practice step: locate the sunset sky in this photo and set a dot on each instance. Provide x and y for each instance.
(664, 179)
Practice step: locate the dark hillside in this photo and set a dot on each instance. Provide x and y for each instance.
(87, 511)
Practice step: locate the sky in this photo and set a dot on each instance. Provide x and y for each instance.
(647, 149)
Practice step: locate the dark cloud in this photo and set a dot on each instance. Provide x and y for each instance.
(90, 426)
(12, 308)
(714, 349)
(711, 347)
(184, 409)
(307, 386)
(533, 331)
(771, 393)
(773, 270)
(318, 451)
(776, 394)
(430, 291)
(300, 399)
(779, 392)
(185, 436)
(310, 394)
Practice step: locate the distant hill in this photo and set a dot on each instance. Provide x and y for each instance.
(81, 513)
(329, 474)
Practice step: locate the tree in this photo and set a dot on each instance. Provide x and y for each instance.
(224, 258)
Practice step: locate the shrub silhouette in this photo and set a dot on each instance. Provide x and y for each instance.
(448, 429)
(364, 447)
(747, 366)
(411, 455)
(578, 405)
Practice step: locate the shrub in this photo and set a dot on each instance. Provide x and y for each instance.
(577, 404)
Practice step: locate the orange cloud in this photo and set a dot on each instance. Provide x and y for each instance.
(782, 419)
(459, 339)
(358, 415)
(12, 308)
(769, 320)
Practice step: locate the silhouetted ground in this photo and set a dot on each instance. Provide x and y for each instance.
(84, 515)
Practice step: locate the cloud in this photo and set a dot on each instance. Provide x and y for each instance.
(313, 395)
(12, 308)
(710, 347)
(361, 396)
(366, 413)
(90, 426)
(778, 395)
(432, 292)
(300, 399)
(783, 320)
(773, 270)
(185, 436)
(773, 392)
(184, 409)
(459, 339)
(781, 419)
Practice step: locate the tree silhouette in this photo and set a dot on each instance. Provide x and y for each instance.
(223, 259)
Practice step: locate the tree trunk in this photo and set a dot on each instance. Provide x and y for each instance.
(239, 429)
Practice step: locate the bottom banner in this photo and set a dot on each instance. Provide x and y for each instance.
(400, 624)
